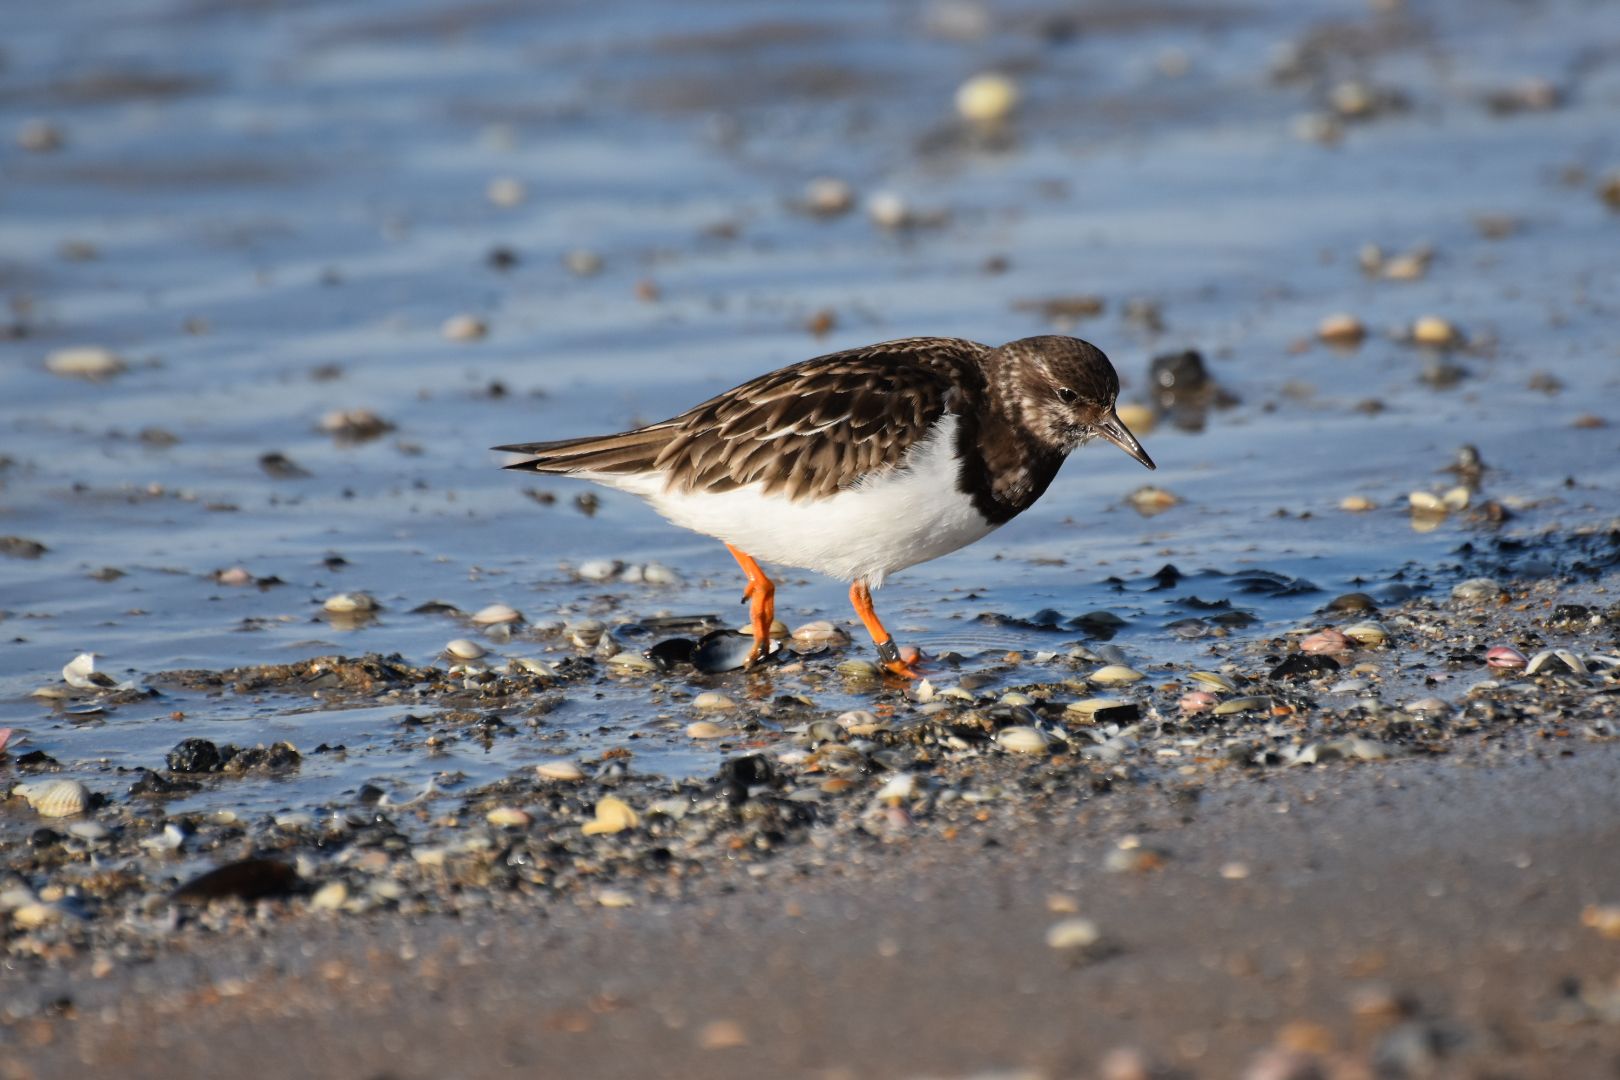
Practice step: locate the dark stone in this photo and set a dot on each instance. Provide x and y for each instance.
(195, 756)
(247, 879)
(1304, 665)
(43, 838)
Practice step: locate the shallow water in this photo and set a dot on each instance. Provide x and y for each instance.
(285, 207)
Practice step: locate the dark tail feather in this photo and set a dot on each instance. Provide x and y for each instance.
(630, 451)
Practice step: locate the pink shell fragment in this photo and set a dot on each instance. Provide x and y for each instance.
(1326, 641)
(1197, 701)
(1505, 656)
(5, 737)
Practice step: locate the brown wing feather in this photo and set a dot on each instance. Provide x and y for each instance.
(817, 427)
(806, 430)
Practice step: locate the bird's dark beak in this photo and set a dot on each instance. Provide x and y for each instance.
(1114, 430)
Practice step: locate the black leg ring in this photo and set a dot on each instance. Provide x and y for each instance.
(888, 651)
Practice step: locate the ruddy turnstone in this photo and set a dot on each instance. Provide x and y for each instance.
(861, 463)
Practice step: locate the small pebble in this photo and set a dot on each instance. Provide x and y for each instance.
(1073, 934)
(582, 262)
(722, 1035)
(828, 196)
(506, 192)
(987, 99)
(1474, 589)
(1357, 504)
(90, 362)
(1341, 329)
(712, 700)
(39, 137)
(465, 328)
(329, 897)
(704, 729)
(508, 817)
(1436, 332)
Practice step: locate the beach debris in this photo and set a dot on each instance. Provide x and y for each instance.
(612, 815)
(464, 327)
(560, 769)
(90, 362)
(828, 196)
(54, 798)
(81, 674)
(989, 98)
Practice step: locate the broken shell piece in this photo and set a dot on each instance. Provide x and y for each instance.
(612, 815)
(1328, 640)
(81, 674)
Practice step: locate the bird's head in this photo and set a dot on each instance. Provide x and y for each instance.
(1062, 390)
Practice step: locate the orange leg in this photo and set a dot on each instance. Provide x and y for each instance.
(761, 593)
(888, 652)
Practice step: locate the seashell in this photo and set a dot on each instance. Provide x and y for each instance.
(1015, 698)
(859, 669)
(1148, 500)
(820, 634)
(349, 603)
(1328, 641)
(713, 700)
(91, 832)
(1073, 935)
(1243, 704)
(1505, 656)
(495, 614)
(1552, 660)
(1455, 498)
(1436, 332)
(827, 196)
(1023, 740)
(35, 915)
(902, 787)
(1341, 329)
(722, 650)
(463, 649)
(1425, 502)
(506, 192)
(779, 630)
(55, 798)
(888, 210)
(986, 99)
(1138, 419)
(464, 328)
(1349, 686)
(1197, 701)
(599, 569)
(1480, 588)
(630, 661)
(583, 262)
(672, 653)
(531, 666)
(612, 815)
(704, 729)
(1357, 504)
(1429, 706)
(5, 737)
(329, 897)
(81, 674)
(1369, 632)
(659, 574)
(585, 633)
(235, 575)
(1215, 679)
(615, 898)
(1114, 675)
(560, 769)
(508, 817)
(84, 362)
(825, 731)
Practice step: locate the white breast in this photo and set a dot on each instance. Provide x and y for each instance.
(887, 522)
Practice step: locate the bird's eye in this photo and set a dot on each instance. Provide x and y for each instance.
(1066, 395)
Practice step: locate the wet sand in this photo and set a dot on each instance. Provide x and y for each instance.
(1379, 927)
